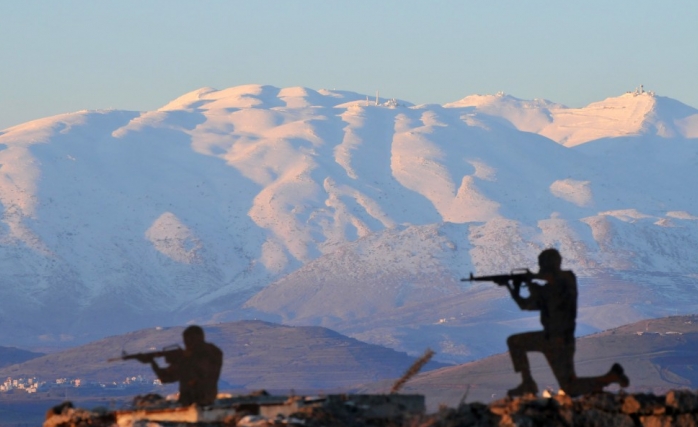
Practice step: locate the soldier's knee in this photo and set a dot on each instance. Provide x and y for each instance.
(513, 341)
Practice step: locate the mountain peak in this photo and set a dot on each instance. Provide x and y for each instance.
(637, 112)
(259, 96)
(501, 98)
(526, 115)
(632, 113)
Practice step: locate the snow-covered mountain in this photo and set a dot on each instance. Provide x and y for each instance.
(633, 113)
(322, 207)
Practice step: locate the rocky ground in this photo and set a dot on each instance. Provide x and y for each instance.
(676, 408)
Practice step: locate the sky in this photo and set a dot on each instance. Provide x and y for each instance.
(63, 56)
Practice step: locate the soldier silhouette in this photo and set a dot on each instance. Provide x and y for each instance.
(557, 302)
(197, 368)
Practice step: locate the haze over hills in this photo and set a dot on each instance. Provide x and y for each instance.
(320, 208)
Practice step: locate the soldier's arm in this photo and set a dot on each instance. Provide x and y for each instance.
(569, 304)
(213, 363)
(529, 303)
(165, 375)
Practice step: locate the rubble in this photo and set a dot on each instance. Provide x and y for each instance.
(676, 408)
(258, 409)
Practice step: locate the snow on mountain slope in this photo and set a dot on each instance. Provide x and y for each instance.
(378, 272)
(401, 286)
(528, 116)
(633, 113)
(359, 214)
(612, 117)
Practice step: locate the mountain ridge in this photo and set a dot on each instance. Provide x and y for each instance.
(211, 207)
(633, 113)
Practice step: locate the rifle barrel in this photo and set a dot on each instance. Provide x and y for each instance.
(518, 273)
(151, 355)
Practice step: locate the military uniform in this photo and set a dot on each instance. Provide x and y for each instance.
(557, 302)
(197, 371)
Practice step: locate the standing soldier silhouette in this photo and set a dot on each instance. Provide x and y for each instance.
(557, 302)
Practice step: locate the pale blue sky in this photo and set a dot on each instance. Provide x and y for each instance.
(63, 56)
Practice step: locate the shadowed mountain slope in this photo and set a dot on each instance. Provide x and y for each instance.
(12, 356)
(658, 355)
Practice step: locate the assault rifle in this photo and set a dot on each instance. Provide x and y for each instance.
(170, 353)
(520, 275)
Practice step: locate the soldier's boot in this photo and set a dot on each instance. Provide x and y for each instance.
(526, 387)
(617, 375)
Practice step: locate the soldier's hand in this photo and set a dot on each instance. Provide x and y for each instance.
(514, 288)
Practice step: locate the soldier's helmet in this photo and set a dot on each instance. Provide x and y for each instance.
(550, 260)
(193, 336)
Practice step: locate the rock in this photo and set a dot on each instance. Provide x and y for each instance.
(682, 401)
(606, 402)
(598, 418)
(656, 421)
(253, 421)
(643, 404)
(686, 420)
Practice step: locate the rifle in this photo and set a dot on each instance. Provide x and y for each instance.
(170, 353)
(520, 275)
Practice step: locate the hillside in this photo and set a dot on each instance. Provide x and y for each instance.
(315, 207)
(12, 356)
(256, 355)
(658, 355)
